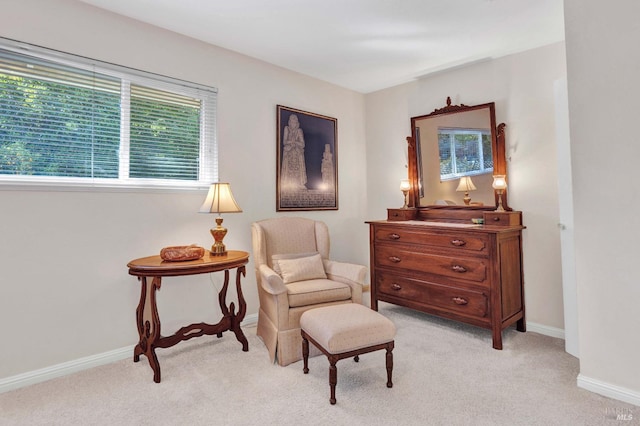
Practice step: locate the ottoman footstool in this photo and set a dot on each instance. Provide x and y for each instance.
(345, 331)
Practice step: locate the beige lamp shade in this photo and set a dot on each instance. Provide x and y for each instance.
(466, 185)
(220, 200)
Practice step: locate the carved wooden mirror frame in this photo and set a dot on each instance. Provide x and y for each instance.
(498, 151)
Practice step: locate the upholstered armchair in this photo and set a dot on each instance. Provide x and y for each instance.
(294, 274)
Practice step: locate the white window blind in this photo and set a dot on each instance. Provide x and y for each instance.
(69, 120)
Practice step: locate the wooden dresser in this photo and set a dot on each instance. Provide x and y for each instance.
(461, 271)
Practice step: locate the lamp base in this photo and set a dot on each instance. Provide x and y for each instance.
(405, 192)
(218, 249)
(500, 207)
(218, 233)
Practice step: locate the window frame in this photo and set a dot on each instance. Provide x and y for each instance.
(208, 149)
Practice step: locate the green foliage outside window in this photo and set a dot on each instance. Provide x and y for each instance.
(177, 126)
(42, 133)
(63, 121)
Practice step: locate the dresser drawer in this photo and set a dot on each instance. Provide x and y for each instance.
(503, 218)
(442, 297)
(463, 268)
(453, 239)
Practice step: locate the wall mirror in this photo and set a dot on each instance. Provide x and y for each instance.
(453, 154)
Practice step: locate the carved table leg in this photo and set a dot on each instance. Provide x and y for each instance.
(141, 347)
(222, 300)
(242, 310)
(149, 330)
(222, 296)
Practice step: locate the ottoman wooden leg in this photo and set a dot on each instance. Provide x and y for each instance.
(305, 353)
(389, 364)
(333, 379)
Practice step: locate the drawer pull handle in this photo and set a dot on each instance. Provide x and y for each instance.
(394, 236)
(460, 300)
(458, 268)
(396, 287)
(496, 219)
(394, 259)
(458, 243)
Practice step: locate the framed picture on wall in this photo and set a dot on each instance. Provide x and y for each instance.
(307, 161)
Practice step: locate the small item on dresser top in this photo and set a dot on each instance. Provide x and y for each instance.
(181, 253)
(477, 220)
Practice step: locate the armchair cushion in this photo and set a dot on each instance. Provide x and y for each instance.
(313, 292)
(301, 269)
(275, 259)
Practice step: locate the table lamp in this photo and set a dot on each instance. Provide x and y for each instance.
(219, 200)
(499, 184)
(405, 186)
(466, 185)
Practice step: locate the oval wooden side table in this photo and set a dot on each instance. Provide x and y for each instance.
(148, 320)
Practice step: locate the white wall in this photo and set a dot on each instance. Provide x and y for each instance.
(602, 65)
(64, 288)
(522, 86)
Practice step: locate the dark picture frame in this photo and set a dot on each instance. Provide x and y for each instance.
(307, 161)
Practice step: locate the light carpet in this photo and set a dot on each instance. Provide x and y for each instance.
(445, 373)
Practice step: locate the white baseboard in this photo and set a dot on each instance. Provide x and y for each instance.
(609, 390)
(587, 383)
(546, 330)
(70, 367)
(250, 320)
(59, 370)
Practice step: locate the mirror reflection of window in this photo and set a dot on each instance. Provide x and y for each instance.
(464, 152)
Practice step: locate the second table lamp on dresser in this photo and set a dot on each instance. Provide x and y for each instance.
(499, 184)
(219, 200)
(466, 185)
(405, 186)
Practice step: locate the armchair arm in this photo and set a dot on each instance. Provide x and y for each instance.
(274, 300)
(347, 271)
(271, 282)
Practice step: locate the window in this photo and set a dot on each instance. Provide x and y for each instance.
(464, 152)
(67, 120)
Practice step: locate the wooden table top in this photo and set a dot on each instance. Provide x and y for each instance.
(154, 265)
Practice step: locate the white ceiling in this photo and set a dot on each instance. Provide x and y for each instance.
(364, 45)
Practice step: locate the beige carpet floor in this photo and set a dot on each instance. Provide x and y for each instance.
(445, 373)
